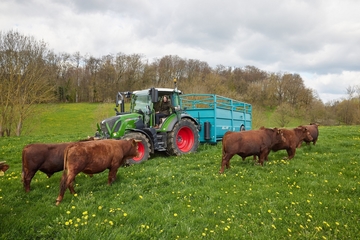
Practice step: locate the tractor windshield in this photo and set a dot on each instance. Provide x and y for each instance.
(140, 102)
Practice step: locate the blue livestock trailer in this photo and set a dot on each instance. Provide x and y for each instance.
(217, 115)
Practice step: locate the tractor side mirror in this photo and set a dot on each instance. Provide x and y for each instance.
(154, 95)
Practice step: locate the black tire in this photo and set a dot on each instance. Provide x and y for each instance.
(242, 128)
(184, 138)
(143, 147)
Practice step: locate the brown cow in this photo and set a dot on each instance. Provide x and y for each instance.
(3, 167)
(48, 158)
(248, 143)
(293, 138)
(94, 157)
(314, 131)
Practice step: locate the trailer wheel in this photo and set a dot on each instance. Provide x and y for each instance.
(143, 148)
(184, 138)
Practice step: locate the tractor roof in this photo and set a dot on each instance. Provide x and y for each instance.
(160, 90)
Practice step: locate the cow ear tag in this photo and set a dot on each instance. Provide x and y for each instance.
(1, 173)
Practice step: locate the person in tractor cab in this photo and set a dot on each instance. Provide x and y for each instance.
(163, 110)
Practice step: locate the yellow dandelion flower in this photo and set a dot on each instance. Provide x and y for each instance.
(273, 226)
(99, 207)
(111, 223)
(175, 215)
(66, 223)
(125, 214)
(85, 213)
(73, 207)
(68, 212)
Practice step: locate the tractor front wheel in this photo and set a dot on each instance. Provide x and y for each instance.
(184, 138)
(143, 147)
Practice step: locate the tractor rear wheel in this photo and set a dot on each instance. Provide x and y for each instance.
(184, 138)
(143, 147)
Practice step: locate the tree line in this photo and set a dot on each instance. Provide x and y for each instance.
(30, 73)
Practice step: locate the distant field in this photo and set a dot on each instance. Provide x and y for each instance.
(314, 196)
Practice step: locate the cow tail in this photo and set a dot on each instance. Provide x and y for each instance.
(65, 171)
(224, 146)
(23, 167)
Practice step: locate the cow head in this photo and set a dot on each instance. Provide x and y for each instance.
(135, 145)
(280, 135)
(307, 134)
(3, 167)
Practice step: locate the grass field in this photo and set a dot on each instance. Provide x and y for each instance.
(314, 196)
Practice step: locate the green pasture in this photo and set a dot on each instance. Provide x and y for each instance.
(316, 195)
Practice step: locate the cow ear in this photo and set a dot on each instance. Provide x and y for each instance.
(135, 141)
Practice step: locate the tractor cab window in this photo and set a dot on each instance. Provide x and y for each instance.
(140, 103)
(175, 100)
(160, 100)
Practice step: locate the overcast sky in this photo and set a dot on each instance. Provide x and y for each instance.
(318, 39)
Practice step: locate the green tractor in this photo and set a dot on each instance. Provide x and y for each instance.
(177, 134)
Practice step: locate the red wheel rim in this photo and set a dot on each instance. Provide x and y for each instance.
(141, 150)
(185, 139)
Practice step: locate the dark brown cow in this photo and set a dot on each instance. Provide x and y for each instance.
(248, 143)
(95, 157)
(3, 167)
(48, 158)
(314, 131)
(292, 139)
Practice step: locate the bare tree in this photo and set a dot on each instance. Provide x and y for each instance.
(283, 114)
(24, 72)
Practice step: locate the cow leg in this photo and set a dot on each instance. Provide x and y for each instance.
(70, 182)
(27, 177)
(63, 187)
(112, 175)
(225, 162)
(71, 187)
(291, 153)
(67, 180)
(263, 156)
